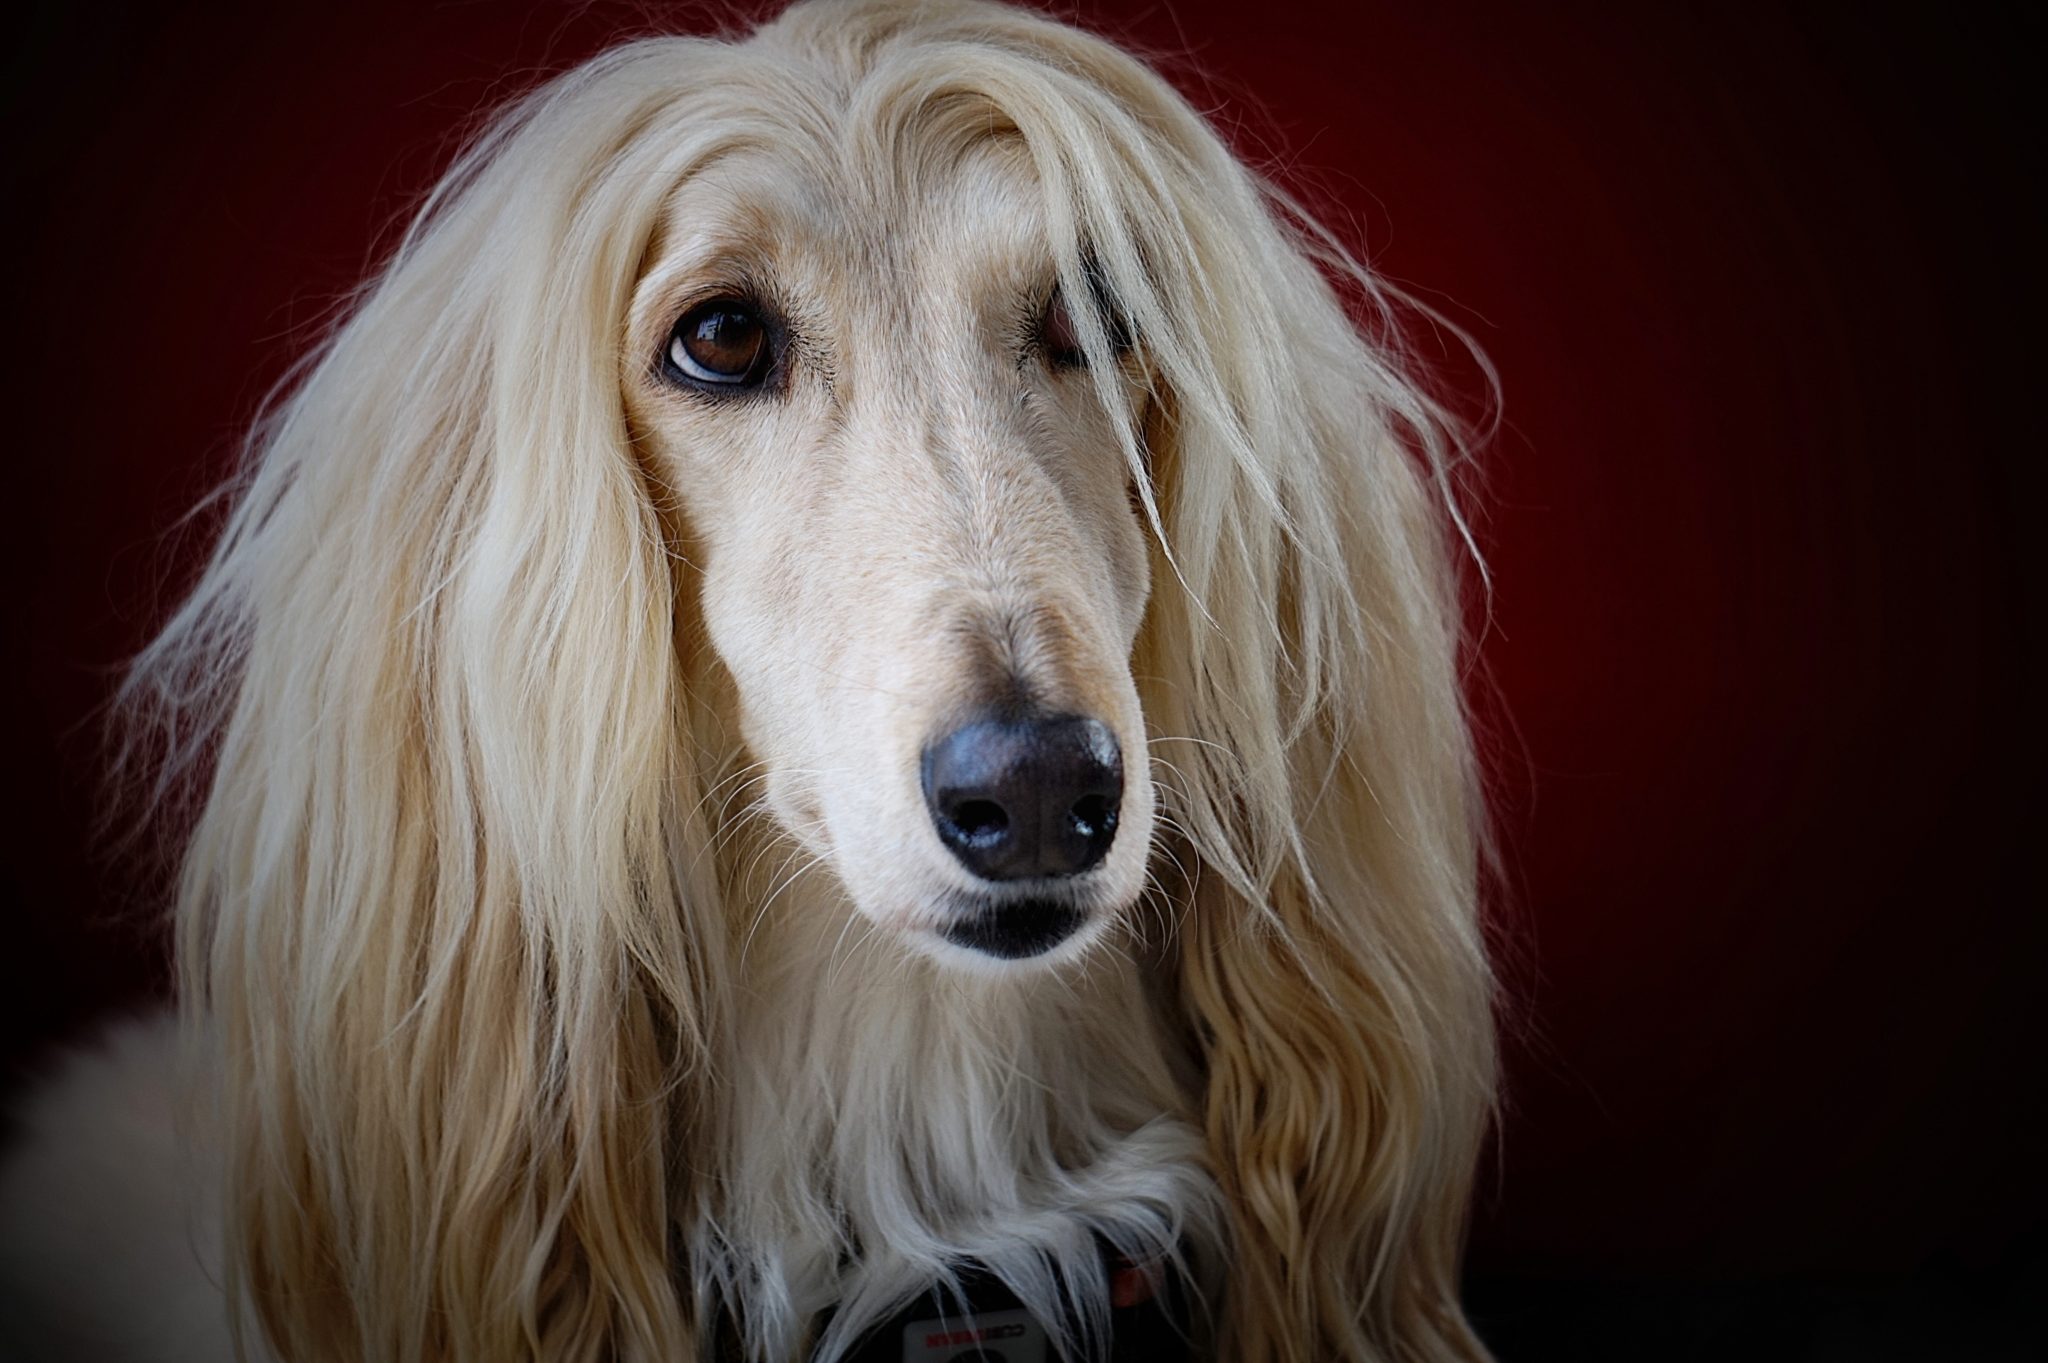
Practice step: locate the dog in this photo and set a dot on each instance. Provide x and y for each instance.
(841, 683)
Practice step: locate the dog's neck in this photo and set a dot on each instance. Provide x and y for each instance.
(890, 1119)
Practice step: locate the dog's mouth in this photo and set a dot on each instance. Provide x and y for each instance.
(1014, 930)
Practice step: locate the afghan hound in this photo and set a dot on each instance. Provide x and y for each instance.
(838, 690)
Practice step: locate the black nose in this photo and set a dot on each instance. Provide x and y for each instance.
(1015, 798)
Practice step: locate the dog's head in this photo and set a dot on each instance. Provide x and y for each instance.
(899, 424)
(915, 409)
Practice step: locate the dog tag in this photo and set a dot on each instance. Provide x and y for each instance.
(983, 1337)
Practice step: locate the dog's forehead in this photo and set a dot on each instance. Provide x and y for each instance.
(975, 216)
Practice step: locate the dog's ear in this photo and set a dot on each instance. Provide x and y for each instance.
(1313, 752)
(434, 909)
(1299, 670)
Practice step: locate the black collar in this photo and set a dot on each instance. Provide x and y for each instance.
(985, 1323)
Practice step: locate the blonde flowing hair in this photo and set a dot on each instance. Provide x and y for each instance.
(453, 919)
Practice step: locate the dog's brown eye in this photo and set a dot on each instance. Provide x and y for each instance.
(1061, 338)
(722, 343)
(1057, 333)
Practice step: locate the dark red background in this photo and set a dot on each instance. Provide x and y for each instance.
(1763, 656)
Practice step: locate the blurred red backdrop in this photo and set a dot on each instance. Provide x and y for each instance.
(1760, 666)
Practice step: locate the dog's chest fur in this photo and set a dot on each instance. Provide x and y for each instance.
(889, 1120)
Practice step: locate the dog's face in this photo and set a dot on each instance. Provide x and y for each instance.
(908, 512)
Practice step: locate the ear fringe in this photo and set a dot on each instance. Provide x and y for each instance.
(1331, 960)
(1343, 1014)
(440, 913)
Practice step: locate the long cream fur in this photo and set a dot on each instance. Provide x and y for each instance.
(545, 1003)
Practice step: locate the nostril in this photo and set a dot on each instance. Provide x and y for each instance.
(1093, 816)
(979, 820)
